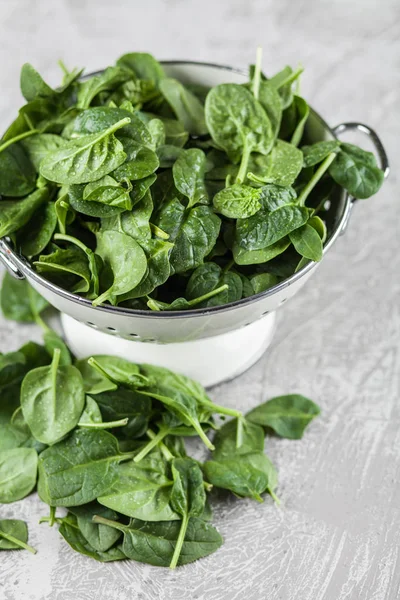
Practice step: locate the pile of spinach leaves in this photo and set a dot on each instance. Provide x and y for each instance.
(132, 188)
(105, 439)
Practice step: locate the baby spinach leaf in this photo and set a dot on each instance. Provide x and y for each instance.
(142, 490)
(38, 146)
(18, 471)
(135, 223)
(108, 80)
(73, 535)
(124, 403)
(270, 100)
(238, 124)
(80, 468)
(187, 108)
(278, 216)
(86, 158)
(302, 113)
(250, 476)
(14, 535)
(238, 201)
(99, 118)
(188, 172)
(17, 172)
(140, 187)
(100, 537)
(140, 161)
(242, 256)
(61, 262)
(93, 381)
(119, 370)
(92, 208)
(53, 341)
(14, 214)
(37, 233)
(143, 65)
(154, 543)
(209, 277)
(318, 224)
(193, 231)
(287, 415)
(307, 242)
(52, 400)
(356, 170)
(91, 413)
(19, 301)
(263, 281)
(312, 155)
(32, 84)
(158, 268)
(12, 437)
(228, 446)
(108, 191)
(126, 259)
(281, 166)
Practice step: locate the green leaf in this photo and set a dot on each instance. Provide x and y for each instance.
(86, 158)
(307, 242)
(14, 214)
(52, 400)
(40, 145)
(154, 543)
(127, 261)
(356, 170)
(61, 263)
(36, 235)
(124, 403)
(140, 161)
(281, 166)
(53, 341)
(263, 281)
(143, 65)
(73, 535)
(187, 108)
(242, 256)
(287, 415)
(19, 301)
(108, 80)
(302, 113)
(108, 191)
(14, 535)
(250, 476)
(100, 537)
(270, 100)
(94, 382)
(32, 84)
(142, 490)
(91, 413)
(210, 276)
(312, 155)
(158, 268)
(238, 201)
(92, 208)
(17, 172)
(79, 469)
(188, 172)
(226, 440)
(18, 470)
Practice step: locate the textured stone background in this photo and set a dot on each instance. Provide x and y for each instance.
(336, 536)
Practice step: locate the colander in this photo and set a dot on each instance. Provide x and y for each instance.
(212, 344)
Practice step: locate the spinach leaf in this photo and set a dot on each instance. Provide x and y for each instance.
(188, 172)
(14, 535)
(80, 468)
(32, 84)
(38, 146)
(86, 158)
(92, 208)
(307, 242)
(100, 537)
(19, 301)
(93, 381)
(312, 155)
(108, 80)
(143, 65)
(52, 400)
(263, 281)
(281, 166)
(140, 161)
(237, 202)
(91, 413)
(53, 341)
(242, 256)
(119, 371)
(108, 191)
(142, 490)
(356, 170)
(287, 415)
(302, 113)
(127, 261)
(270, 100)
(250, 476)
(14, 214)
(278, 216)
(193, 231)
(124, 403)
(68, 267)
(158, 268)
(209, 277)
(36, 234)
(18, 471)
(73, 535)
(237, 437)
(187, 108)
(155, 543)
(17, 172)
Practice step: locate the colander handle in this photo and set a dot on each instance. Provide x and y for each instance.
(379, 149)
(7, 260)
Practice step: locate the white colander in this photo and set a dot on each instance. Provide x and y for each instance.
(212, 344)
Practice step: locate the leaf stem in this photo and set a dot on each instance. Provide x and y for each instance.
(150, 445)
(290, 78)
(209, 295)
(241, 176)
(52, 517)
(324, 166)
(109, 522)
(257, 73)
(239, 433)
(18, 542)
(105, 425)
(159, 232)
(274, 497)
(179, 542)
(17, 138)
(221, 410)
(165, 451)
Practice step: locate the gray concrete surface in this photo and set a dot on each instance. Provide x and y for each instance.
(336, 536)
